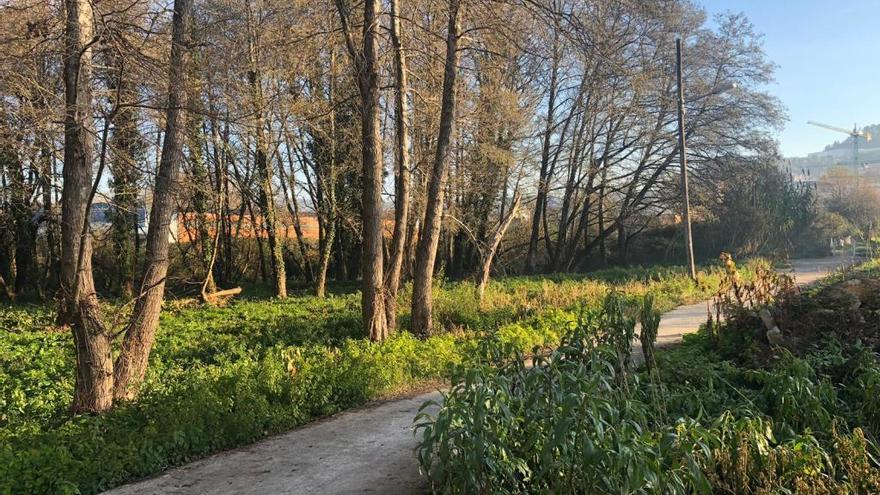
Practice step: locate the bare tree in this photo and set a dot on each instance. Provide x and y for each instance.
(494, 242)
(93, 391)
(135, 352)
(423, 276)
(402, 172)
(367, 69)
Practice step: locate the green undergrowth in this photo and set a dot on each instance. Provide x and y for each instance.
(223, 377)
(582, 420)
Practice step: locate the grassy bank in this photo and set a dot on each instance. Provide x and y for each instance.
(220, 378)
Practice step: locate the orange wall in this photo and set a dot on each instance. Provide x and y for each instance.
(187, 228)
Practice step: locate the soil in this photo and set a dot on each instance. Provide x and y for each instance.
(848, 311)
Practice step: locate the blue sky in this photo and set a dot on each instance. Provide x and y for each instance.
(828, 53)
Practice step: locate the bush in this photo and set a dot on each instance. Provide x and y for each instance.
(577, 422)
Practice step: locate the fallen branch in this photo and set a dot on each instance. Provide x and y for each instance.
(216, 297)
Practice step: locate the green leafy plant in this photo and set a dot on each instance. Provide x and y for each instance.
(222, 377)
(575, 422)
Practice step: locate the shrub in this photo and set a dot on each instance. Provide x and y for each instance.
(575, 423)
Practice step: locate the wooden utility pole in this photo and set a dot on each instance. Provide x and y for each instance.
(682, 153)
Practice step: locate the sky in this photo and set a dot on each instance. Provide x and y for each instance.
(828, 57)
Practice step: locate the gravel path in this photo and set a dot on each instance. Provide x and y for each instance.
(367, 450)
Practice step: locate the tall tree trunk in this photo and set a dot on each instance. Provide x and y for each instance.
(264, 166)
(223, 213)
(201, 189)
(135, 352)
(493, 246)
(270, 218)
(327, 218)
(201, 195)
(367, 68)
(422, 303)
(93, 391)
(326, 178)
(402, 175)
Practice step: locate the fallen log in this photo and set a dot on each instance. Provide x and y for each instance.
(220, 295)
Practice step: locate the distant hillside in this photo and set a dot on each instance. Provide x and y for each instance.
(812, 167)
(873, 130)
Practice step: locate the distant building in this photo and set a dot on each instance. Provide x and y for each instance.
(186, 226)
(101, 217)
(813, 167)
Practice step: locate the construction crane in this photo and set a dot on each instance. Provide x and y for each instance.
(855, 134)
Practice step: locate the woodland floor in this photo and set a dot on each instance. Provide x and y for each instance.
(367, 450)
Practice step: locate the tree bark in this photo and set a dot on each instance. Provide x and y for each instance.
(366, 65)
(134, 354)
(422, 304)
(402, 175)
(93, 391)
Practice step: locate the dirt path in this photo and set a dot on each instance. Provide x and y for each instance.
(368, 450)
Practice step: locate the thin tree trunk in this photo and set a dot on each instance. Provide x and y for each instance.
(264, 166)
(201, 187)
(543, 179)
(134, 354)
(326, 179)
(493, 246)
(402, 176)
(422, 303)
(293, 207)
(53, 267)
(93, 391)
(25, 230)
(223, 261)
